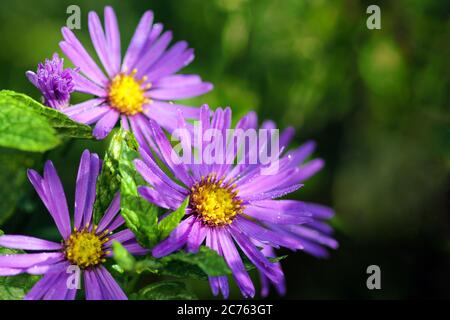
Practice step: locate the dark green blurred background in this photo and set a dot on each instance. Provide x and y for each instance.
(376, 101)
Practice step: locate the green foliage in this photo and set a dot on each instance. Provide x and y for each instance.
(13, 166)
(140, 216)
(169, 223)
(119, 174)
(21, 128)
(180, 264)
(124, 259)
(164, 290)
(27, 125)
(108, 183)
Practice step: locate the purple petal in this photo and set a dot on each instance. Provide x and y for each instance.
(113, 39)
(153, 196)
(109, 284)
(171, 66)
(91, 286)
(110, 214)
(176, 93)
(171, 110)
(274, 216)
(177, 80)
(85, 192)
(59, 290)
(57, 198)
(273, 194)
(99, 41)
(295, 207)
(32, 77)
(27, 260)
(27, 243)
(90, 116)
(256, 257)
(153, 54)
(197, 236)
(42, 286)
(176, 239)
(235, 263)
(286, 137)
(85, 85)
(80, 58)
(138, 41)
(106, 124)
(120, 236)
(7, 272)
(313, 235)
(82, 107)
(258, 232)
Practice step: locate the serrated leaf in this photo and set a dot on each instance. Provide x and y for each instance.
(140, 216)
(164, 290)
(21, 128)
(123, 258)
(171, 221)
(63, 125)
(108, 182)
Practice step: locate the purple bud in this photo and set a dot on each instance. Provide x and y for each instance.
(55, 83)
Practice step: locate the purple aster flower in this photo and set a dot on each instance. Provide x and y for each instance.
(140, 86)
(86, 246)
(233, 205)
(55, 83)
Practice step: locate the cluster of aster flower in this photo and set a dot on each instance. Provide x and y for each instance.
(233, 208)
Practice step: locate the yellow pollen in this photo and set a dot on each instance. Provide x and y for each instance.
(84, 248)
(215, 203)
(126, 93)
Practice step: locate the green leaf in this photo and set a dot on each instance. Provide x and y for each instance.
(13, 177)
(63, 125)
(123, 258)
(140, 216)
(15, 287)
(23, 129)
(119, 173)
(169, 223)
(164, 290)
(186, 265)
(108, 182)
(208, 261)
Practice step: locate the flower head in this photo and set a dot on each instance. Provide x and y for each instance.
(234, 204)
(139, 86)
(86, 246)
(55, 83)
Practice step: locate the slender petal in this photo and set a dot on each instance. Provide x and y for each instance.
(106, 124)
(113, 39)
(110, 214)
(28, 243)
(86, 188)
(233, 259)
(109, 284)
(176, 239)
(92, 286)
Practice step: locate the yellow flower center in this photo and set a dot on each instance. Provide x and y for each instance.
(126, 93)
(217, 204)
(85, 248)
